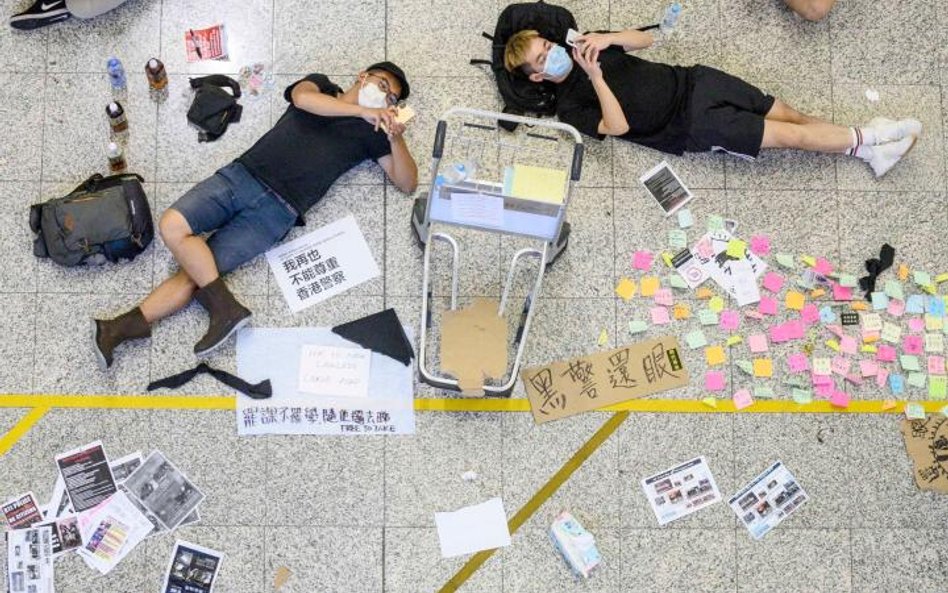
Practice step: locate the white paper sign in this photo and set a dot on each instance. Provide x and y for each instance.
(322, 264)
(325, 370)
(477, 209)
(472, 529)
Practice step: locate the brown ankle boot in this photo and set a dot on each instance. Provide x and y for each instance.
(227, 315)
(107, 334)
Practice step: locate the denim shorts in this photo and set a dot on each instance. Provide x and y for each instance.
(245, 216)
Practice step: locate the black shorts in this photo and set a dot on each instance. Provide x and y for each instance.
(726, 114)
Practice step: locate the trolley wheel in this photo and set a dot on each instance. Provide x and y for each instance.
(562, 242)
(417, 220)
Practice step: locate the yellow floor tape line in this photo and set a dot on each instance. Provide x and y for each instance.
(541, 496)
(20, 429)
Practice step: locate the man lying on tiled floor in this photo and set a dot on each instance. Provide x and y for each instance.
(252, 203)
(695, 109)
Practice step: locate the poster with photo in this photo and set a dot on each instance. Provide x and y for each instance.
(768, 499)
(163, 490)
(123, 467)
(21, 511)
(65, 533)
(87, 475)
(681, 490)
(192, 569)
(30, 560)
(110, 531)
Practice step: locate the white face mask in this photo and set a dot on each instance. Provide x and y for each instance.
(370, 95)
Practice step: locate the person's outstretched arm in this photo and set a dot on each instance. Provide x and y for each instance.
(629, 40)
(613, 121)
(400, 166)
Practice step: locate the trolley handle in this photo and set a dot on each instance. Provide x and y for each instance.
(439, 139)
(577, 168)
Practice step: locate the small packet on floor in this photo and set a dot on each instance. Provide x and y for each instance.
(577, 545)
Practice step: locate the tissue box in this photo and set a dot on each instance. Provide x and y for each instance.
(577, 545)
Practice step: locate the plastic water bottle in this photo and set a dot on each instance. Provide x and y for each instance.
(117, 162)
(670, 18)
(117, 75)
(458, 172)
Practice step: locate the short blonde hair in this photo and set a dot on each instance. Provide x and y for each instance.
(515, 54)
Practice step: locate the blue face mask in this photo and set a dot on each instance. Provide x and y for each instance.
(558, 63)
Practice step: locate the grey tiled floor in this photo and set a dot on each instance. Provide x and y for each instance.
(355, 515)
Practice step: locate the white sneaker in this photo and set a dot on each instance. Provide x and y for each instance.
(885, 156)
(889, 130)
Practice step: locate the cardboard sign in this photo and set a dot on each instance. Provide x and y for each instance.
(926, 442)
(601, 379)
(474, 345)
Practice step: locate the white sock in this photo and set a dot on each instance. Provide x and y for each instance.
(860, 147)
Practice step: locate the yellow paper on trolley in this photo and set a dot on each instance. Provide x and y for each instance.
(539, 184)
(601, 379)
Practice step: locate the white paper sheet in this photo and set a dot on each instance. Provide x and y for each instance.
(327, 370)
(330, 260)
(30, 560)
(472, 529)
(768, 499)
(110, 531)
(477, 209)
(681, 490)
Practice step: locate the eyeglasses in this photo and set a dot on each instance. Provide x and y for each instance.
(390, 97)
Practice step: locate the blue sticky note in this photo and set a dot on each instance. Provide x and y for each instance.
(880, 301)
(915, 304)
(936, 307)
(897, 384)
(827, 315)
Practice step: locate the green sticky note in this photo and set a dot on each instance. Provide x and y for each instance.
(696, 339)
(677, 239)
(937, 386)
(736, 248)
(707, 317)
(802, 396)
(922, 278)
(909, 362)
(785, 260)
(800, 381)
(676, 281)
(685, 218)
(715, 223)
(915, 411)
(944, 411)
(763, 392)
(893, 289)
(746, 366)
(637, 326)
(917, 379)
(847, 280)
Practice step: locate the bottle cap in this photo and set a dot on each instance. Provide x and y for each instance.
(153, 64)
(114, 149)
(114, 108)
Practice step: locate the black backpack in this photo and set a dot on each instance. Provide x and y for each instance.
(104, 219)
(213, 108)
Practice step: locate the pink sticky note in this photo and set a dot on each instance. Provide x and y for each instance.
(757, 343)
(885, 353)
(642, 260)
(896, 307)
(868, 368)
(760, 245)
(836, 330)
(754, 314)
(882, 377)
(912, 344)
(841, 365)
(660, 315)
(714, 380)
(778, 333)
(798, 362)
(824, 391)
(729, 320)
(936, 365)
(742, 399)
(822, 380)
(854, 379)
(840, 399)
(842, 293)
(768, 305)
(773, 282)
(810, 314)
(848, 345)
(823, 267)
(663, 296)
(795, 329)
(916, 325)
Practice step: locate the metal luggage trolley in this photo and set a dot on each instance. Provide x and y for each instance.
(481, 201)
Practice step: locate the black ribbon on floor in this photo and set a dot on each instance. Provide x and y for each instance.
(261, 390)
(875, 267)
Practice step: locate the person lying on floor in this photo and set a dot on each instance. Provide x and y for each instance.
(676, 109)
(252, 203)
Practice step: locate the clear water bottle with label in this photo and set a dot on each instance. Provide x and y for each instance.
(669, 19)
(462, 171)
(117, 77)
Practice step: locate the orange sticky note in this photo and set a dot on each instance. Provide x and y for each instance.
(714, 355)
(903, 272)
(704, 293)
(859, 306)
(626, 289)
(817, 293)
(795, 300)
(648, 285)
(763, 367)
(681, 312)
(888, 404)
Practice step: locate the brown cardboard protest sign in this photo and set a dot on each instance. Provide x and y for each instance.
(926, 442)
(600, 379)
(474, 345)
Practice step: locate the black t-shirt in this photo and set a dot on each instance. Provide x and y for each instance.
(304, 153)
(653, 96)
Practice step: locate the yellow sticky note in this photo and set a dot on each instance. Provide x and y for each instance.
(714, 355)
(888, 404)
(667, 258)
(903, 272)
(711, 402)
(833, 345)
(539, 184)
(859, 306)
(734, 340)
(941, 278)
(795, 300)
(736, 248)
(704, 293)
(603, 338)
(817, 293)
(716, 304)
(763, 367)
(808, 260)
(648, 285)
(868, 349)
(681, 312)
(626, 288)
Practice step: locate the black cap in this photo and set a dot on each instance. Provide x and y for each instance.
(397, 72)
